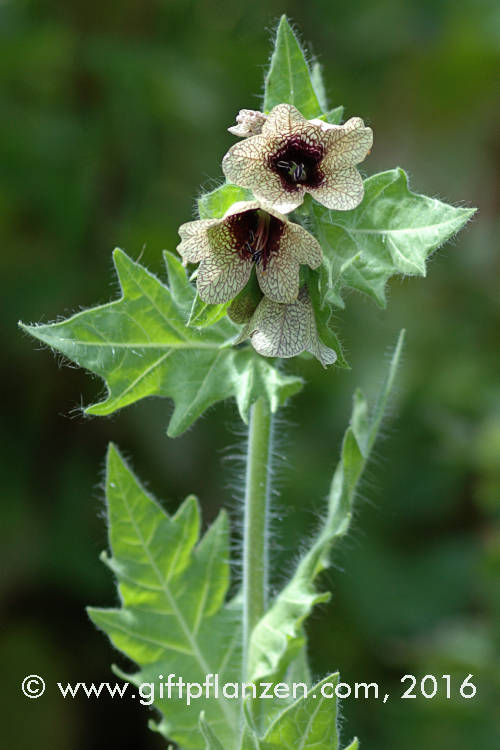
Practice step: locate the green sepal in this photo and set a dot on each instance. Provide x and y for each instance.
(334, 116)
(245, 303)
(214, 205)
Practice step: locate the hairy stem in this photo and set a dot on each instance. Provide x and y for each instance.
(256, 520)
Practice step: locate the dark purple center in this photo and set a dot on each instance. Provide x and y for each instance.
(256, 235)
(297, 163)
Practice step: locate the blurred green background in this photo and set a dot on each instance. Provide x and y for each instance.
(113, 116)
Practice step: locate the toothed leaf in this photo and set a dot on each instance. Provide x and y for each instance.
(173, 618)
(141, 346)
(392, 231)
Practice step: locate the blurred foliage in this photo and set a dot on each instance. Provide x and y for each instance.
(112, 115)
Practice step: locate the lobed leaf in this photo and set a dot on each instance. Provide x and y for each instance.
(289, 80)
(279, 638)
(172, 619)
(392, 231)
(141, 346)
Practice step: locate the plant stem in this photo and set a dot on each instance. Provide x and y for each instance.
(256, 521)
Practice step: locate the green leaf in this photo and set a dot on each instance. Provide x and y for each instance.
(308, 724)
(288, 80)
(319, 85)
(323, 314)
(212, 743)
(279, 638)
(202, 314)
(214, 205)
(392, 231)
(173, 619)
(141, 346)
(334, 116)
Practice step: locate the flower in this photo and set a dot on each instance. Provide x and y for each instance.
(292, 156)
(285, 330)
(247, 237)
(248, 122)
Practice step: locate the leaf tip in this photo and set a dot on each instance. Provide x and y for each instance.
(119, 254)
(114, 463)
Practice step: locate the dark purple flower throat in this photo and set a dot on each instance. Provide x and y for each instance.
(256, 235)
(297, 162)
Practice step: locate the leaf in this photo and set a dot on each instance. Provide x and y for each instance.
(334, 116)
(214, 205)
(202, 314)
(392, 231)
(308, 724)
(319, 85)
(288, 80)
(278, 638)
(323, 315)
(172, 620)
(141, 347)
(212, 743)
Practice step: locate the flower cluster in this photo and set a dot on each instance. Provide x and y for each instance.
(281, 157)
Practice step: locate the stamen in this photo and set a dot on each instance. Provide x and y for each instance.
(298, 164)
(295, 170)
(257, 244)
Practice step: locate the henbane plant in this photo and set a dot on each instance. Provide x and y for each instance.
(258, 277)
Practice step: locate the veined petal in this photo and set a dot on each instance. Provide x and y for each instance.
(246, 165)
(341, 190)
(280, 199)
(283, 120)
(278, 330)
(301, 245)
(222, 275)
(240, 206)
(280, 280)
(194, 245)
(245, 162)
(347, 144)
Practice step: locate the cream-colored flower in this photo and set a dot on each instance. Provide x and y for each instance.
(248, 122)
(285, 330)
(248, 236)
(292, 156)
